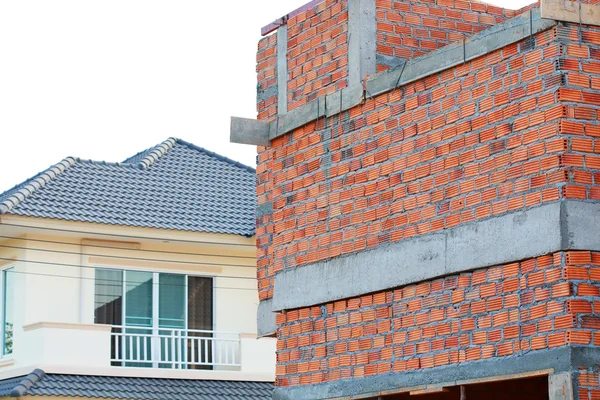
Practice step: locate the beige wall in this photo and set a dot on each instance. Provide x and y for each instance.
(43, 296)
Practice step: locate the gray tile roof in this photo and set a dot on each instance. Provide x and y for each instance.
(107, 387)
(175, 185)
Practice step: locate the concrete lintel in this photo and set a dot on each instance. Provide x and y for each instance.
(511, 237)
(344, 100)
(267, 327)
(560, 386)
(300, 116)
(493, 38)
(282, 71)
(362, 49)
(523, 365)
(571, 11)
(250, 131)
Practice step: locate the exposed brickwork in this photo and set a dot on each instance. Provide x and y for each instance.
(511, 130)
(541, 303)
(408, 29)
(317, 52)
(471, 142)
(266, 69)
(581, 99)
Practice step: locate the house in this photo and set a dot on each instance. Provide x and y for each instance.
(429, 199)
(133, 280)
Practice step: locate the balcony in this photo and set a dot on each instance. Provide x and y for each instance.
(138, 351)
(175, 348)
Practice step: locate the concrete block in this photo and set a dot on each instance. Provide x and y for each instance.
(282, 72)
(250, 131)
(571, 11)
(560, 386)
(362, 49)
(580, 230)
(266, 319)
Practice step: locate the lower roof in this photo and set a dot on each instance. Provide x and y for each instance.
(38, 383)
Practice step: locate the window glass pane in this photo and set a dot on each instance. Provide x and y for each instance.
(200, 303)
(138, 298)
(171, 299)
(108, 298)
(9, 288)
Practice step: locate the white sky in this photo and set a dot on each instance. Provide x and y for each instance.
(105, 79)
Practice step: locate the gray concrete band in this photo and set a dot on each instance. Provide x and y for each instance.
(362, 37)
(564, 359)
(566, 225)
(267, 326)
(282, 69)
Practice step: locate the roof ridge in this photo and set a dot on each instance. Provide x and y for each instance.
(27, 383)
(216, 155)
(27, 188)
(157, 152)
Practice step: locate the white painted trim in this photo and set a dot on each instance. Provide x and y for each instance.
(66, 325)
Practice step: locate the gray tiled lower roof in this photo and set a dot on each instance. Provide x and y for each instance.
(175, 185)
(107, 387)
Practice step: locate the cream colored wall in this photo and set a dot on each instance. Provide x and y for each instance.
(54, 292)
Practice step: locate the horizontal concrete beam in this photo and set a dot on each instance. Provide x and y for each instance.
(494, 38)
(558, 360)
(511, 237)
(250, 131)
(266, 319)
(571, 11)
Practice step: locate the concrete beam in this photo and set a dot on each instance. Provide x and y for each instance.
(571, 11)
(250, 131)
(282, 70)
(493, 38)
(560, 386)
(534, 363)
(362, 33)
(267, 327)
(511, 237)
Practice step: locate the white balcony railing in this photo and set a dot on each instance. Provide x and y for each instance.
(174, 348)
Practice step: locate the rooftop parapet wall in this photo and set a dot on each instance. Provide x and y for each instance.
(408, 29)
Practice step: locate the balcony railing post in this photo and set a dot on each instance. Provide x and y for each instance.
(155, 343)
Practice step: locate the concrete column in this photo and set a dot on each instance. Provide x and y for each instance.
(362, 31)
(282, 70)
(560, 386)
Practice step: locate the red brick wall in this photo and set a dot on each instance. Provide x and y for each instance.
(536, 304)
(408, 29)
(266, 70)
(474, 141)
(581, 127)
(317, 52)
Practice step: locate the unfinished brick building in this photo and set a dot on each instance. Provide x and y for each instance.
(428, 187)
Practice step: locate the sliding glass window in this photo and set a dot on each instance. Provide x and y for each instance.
(153, 316)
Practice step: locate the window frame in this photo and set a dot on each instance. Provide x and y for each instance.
(155, 293)
(3, 303)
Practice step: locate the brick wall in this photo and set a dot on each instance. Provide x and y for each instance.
(408, 29)
(509, 131)
(266, 69)
(471, 142)
(317, 52)
(536, 304)
(581, 129)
